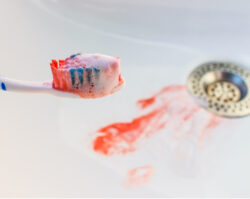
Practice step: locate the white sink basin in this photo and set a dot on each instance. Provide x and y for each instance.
(46, 143)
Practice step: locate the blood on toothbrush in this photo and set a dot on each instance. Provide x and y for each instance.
(139, 176)
(171, 110)
(87, 75)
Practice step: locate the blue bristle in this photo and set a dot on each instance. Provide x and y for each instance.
(72, 56)
(80, 74)
(97, 73)
(3, 86)
(96, 69)
(89, 73)
(72, 74)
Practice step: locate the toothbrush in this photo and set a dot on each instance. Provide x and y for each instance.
(80, 75)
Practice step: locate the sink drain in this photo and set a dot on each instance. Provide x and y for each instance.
(224, 92)
(222, 88)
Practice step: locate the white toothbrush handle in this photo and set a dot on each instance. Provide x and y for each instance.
(7, 84)
(23, 86)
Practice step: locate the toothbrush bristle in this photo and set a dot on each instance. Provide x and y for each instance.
(88, 75)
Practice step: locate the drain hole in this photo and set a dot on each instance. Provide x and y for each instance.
(223, 92)
(221, 88)
(224, 87)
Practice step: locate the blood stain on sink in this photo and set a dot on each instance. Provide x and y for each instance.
(119, 138)
(139, 176)
(145, 103)
(170, 109)
(212, 123)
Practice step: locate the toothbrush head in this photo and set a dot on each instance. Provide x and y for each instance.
(87, 75)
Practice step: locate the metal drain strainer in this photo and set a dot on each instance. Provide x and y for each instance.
(222, 88)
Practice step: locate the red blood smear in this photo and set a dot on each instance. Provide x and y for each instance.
(140, 175)
(119, 138)
(170, 107)
(213, 122)
(144, 103)
(190, 114)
